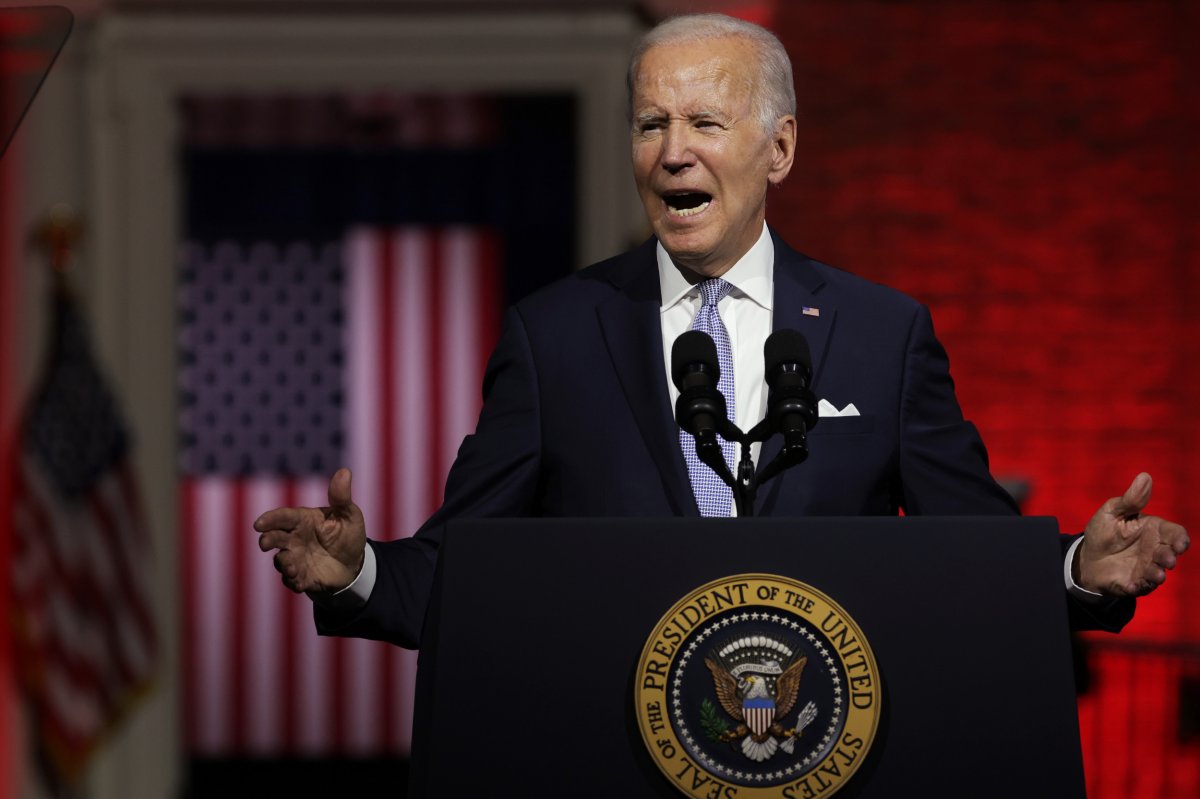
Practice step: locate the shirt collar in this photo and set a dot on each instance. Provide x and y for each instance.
(751, 276)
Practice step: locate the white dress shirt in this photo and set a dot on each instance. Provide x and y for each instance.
(746, 314)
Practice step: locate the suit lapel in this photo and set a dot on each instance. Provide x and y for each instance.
(797, 286)
(630, 323)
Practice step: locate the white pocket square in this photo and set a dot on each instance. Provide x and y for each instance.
(826, 408)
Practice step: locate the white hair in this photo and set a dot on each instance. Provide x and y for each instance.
(774, 92)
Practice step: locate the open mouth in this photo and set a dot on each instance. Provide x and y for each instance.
(687, 203)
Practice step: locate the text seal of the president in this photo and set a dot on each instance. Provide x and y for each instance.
(757, 685)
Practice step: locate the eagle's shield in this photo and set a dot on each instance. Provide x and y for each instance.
(759, 714)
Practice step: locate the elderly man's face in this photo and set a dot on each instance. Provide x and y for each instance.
(701, 160)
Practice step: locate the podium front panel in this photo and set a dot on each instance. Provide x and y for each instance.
(527, 684)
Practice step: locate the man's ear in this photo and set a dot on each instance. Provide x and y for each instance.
(783, 150)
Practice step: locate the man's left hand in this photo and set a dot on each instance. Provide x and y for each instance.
(1125, 553)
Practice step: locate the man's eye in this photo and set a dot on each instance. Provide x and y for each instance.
(707, 123)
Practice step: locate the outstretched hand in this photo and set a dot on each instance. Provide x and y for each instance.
(1125, 553)
(320, 550)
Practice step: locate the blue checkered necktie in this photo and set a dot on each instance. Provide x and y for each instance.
(713, 497)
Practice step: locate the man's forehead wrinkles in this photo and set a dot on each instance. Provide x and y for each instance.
(702, 101)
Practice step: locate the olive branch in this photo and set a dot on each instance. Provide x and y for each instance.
(712, 722)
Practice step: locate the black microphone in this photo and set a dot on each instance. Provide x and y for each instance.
(696, 372)
(791, 405)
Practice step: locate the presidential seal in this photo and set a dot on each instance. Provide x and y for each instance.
(758, 686)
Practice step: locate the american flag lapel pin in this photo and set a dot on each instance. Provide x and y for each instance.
(808, 310)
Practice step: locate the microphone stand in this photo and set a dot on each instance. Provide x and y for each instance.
(745, 487)
(745, 484)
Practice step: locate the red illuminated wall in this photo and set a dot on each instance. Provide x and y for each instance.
(1030, 170)
(7, 303)
(10, 254)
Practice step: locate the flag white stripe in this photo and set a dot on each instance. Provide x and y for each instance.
(413, 466)
(460, 301)
(214, 613)
(363, 674)
(362, 270)
(365, 450)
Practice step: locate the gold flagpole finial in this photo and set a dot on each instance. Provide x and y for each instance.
(57, 237)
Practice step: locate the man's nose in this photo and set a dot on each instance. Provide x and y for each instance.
(677, 152)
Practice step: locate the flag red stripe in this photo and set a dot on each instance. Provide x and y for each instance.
(389, 435)
(412, 456)
(239, 661)
(436, 365)
(10, 288)
(368, 319)
(190, 630)
(287, 640)
(491, 305)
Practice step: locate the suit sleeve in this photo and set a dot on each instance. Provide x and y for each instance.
(495, 474)
(944, 465)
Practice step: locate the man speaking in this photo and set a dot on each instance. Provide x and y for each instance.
(578, 401)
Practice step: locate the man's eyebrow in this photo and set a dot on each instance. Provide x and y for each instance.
(658, 116)
(649, 116)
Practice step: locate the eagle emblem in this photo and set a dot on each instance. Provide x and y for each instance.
(757, 680)
(739, 691)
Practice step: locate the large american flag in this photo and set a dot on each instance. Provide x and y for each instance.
(81, 566)
(297, 358)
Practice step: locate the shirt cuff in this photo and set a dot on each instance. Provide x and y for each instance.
(358, 592)
(1074, 588)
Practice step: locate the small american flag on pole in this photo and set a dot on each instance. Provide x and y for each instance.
(86, 642)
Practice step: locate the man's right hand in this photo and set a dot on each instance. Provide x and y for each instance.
(320, 550)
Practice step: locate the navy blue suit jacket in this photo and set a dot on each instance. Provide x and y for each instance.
(577, 422)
